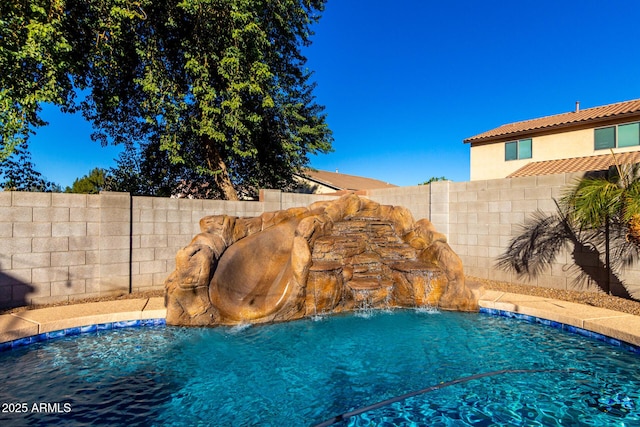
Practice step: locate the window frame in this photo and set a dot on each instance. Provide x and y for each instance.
(637, 135)
(510, 151)
(603, 128)
(508, 156)
(616, 136)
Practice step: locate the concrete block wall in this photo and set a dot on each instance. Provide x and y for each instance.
(162, 226)
(485, 216)
(416, 198)
(49, 246)
(423, 201)
(57, 247)
(294, 200)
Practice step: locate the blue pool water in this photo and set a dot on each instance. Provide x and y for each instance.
(303, 373)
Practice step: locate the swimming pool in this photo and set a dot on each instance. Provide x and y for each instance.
(305, 372)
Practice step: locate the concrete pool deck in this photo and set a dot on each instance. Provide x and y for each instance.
(40, 321)
(36, 322)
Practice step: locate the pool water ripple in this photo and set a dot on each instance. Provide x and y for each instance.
(302, 373)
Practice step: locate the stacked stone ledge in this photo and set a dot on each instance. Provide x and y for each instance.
(297, 262)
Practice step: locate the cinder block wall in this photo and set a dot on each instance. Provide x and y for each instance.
(49, 246)
(294, 200)
(416, 198)
(485, 216)
(481, 218)
(57, 247)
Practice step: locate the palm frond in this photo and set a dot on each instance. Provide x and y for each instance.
(625, 247)
(594, 201)
(535, 249)
(632, 200)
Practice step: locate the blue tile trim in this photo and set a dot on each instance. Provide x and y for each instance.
(564, 327)
(9, 345)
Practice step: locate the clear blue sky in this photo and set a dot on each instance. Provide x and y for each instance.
(404, 83)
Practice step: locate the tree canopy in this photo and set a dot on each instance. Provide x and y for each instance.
(92, 183)
(217, 88)
(434, 179)
(18, 173)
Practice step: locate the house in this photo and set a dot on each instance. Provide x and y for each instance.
(580, 140)
(325, 182)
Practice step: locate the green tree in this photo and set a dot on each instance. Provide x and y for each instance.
(34, 59)
(434, 179)
(220, 86)
(92, 183)
(148, 171)
(19, 174)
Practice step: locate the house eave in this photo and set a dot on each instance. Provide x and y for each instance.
(546, 130)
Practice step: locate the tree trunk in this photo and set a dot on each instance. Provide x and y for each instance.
(224, 183)
(607, 256)
(222, 178)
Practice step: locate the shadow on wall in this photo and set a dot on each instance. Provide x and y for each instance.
(13, 291)
(543, 236)
(588, 260)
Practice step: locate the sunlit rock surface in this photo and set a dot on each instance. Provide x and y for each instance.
(347, 254)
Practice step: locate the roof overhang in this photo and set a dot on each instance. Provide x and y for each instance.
(576, 164)
(590, 117)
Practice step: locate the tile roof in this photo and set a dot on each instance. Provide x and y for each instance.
(576, 164)
(573, 118)
(341, 181)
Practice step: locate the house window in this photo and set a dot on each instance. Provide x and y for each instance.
(515, 150)
(605, 137)
(511, 150)
(626, 135)
(629, 135)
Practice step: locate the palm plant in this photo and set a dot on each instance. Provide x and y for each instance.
(598, 212)
(598, 202)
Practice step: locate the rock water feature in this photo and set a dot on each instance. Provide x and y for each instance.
(334, 256)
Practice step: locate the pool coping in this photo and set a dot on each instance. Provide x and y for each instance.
(22, 328)
(29, 326)
(601, 321)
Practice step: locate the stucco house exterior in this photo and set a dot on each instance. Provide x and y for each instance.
(580, 140)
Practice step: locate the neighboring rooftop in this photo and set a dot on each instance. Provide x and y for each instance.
(576, 164)
(343, 182)
(573, 118)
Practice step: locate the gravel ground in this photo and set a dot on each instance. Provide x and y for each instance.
(596, 299)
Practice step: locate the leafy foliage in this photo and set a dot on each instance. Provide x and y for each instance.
(595, 203)
(434, 179)
(19, 173)
(92, 183)
(34, 59)
(148, 171)
(218, 86)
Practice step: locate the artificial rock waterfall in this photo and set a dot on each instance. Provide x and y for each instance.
(331, 257)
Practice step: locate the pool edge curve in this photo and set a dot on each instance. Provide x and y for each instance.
(31, 326)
